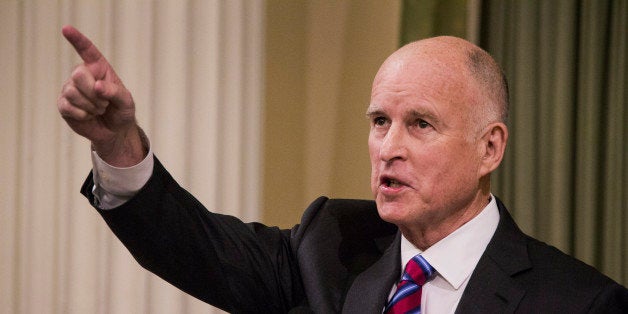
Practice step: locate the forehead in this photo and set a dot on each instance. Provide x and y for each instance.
(422, 84)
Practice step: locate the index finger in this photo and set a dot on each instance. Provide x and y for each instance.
(83, 46)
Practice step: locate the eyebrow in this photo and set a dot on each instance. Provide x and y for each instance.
(373, 110)
(413, 114)
(423, 114)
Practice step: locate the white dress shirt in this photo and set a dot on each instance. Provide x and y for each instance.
(454, 259)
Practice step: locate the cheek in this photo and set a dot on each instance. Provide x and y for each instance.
(374, 179)
(458, 169)
(373, 148)
(443, 164)
(374, 155)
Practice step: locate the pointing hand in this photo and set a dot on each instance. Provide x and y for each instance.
(97, 106)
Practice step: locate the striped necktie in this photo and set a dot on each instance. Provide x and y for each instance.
(407, 298)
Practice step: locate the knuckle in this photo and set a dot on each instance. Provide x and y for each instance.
(78, 72)
(76, 75)
(65, 87)
(69, 91)
(64, 108)
(75, 114)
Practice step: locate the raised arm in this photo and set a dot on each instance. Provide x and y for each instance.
(97, 106)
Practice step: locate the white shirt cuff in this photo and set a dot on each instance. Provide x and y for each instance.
(114, 186)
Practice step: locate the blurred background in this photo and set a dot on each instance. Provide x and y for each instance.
(258, 107)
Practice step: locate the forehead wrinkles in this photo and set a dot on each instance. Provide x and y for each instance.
(419, 84)
(415, 68)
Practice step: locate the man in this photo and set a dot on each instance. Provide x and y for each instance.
(438, 111)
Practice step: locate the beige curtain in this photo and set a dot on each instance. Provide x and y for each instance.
(195, 69)
(565, 175)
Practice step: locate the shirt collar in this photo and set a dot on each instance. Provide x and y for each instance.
(455, 256)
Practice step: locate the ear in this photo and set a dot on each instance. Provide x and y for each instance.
(493, 145)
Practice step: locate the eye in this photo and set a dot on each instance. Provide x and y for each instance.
(422, 124)
(379, 121)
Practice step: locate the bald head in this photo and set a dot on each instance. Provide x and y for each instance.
(478, 77)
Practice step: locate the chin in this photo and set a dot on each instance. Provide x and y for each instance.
(391, 212)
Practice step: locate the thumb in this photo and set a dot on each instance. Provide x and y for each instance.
(114, 92)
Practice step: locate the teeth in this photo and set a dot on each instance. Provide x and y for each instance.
(393, 184)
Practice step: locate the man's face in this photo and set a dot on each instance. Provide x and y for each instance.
(424, 155)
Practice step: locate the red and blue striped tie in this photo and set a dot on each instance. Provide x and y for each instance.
(407, 298)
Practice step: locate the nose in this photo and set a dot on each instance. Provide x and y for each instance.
(394, 144)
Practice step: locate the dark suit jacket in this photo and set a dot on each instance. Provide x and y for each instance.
(341, 258)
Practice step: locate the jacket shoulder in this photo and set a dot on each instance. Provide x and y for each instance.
(337, 240)
(549, 276)
(352, 217)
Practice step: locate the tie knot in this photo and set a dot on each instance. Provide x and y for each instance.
(418, 270)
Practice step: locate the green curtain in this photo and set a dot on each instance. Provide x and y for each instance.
(565, 173)
(428, 18)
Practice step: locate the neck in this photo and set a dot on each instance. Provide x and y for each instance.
(425, 235)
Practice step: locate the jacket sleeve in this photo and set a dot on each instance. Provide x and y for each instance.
(238, 267)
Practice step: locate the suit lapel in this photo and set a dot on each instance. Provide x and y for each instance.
(370, 289)
(491, 288)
